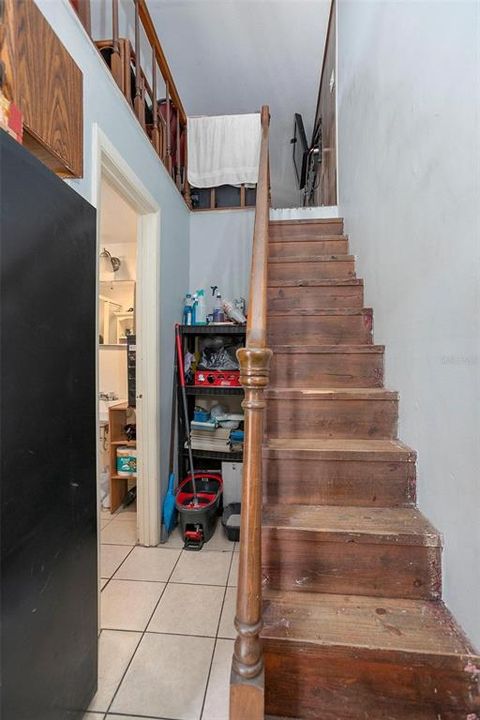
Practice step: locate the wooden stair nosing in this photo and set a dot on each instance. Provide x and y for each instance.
(332, 523)
(321, 282)
(322, 312)
(362, 393)
(282, 259)
(340, 449)
(279, 239)
(328, 349)
(306, 222)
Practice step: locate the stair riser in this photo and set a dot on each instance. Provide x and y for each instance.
(297, 560)
(307, 230)
(335, 418)
(281, 299)
(304, 248)
(297, 481)
(333, 683)
(310, 370)
(314, 270)
(320, 330)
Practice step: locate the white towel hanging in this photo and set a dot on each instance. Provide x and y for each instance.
(223, 150)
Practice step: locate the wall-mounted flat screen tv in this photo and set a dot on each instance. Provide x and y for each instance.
(300, 151)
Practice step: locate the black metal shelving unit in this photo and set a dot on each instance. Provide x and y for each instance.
(204, 458)
(213, 329)
(213, 390)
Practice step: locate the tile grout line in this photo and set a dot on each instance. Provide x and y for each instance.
(216, 638)
(170, 583)
(116, 569)
(144, 632)
(124, 715)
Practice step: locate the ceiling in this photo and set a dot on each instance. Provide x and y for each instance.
(118, 220)
(233, 56)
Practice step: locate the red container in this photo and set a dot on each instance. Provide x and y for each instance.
(217, 378)
(198, 519)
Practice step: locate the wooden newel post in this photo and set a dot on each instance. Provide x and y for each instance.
(247, 681)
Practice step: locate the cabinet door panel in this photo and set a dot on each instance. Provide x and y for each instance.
(47, 86)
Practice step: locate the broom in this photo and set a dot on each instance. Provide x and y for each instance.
(185, 412)
(169, 509)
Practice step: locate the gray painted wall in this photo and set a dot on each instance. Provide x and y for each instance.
(221, 252)
(409, 148)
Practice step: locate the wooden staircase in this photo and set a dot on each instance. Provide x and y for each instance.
(354, 626)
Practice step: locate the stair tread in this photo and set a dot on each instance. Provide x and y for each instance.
(309, 222)
(340, 312)
(362, 393)
(295, 238)
(341, 449)
(326, 282)
(320, 238)
(399, 525)
(328, 349)
(311, 258)
(374, 623)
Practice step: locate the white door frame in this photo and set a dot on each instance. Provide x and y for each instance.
(108, 164)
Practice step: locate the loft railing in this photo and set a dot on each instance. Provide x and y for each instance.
(247, 676)
(163, 119)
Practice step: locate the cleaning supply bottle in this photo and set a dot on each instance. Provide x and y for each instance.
(187, 310)
(194, 309)
(200, 309)
(218, 314)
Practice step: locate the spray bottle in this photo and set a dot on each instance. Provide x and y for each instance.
(200, 309)
(194, 309)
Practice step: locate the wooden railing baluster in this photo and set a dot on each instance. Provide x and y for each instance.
(169, 134)
(247, 676)
(85, 15)
(116, 61)
(138, 102)
(186, 185)
(155, 130)
(178, 178)
(123, 56)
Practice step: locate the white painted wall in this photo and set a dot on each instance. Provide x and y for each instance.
(409, 148)
(105, 105)
(221, 252)
(127, 254)
(112, 370)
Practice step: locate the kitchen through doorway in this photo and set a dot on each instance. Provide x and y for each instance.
(117, 345)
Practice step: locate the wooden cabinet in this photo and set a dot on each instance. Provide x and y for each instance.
(47, 86)
(117, 419)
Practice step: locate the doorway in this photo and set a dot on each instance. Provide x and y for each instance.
(127, 365)
(116, 360)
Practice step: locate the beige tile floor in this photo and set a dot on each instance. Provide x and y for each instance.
(167, 631)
